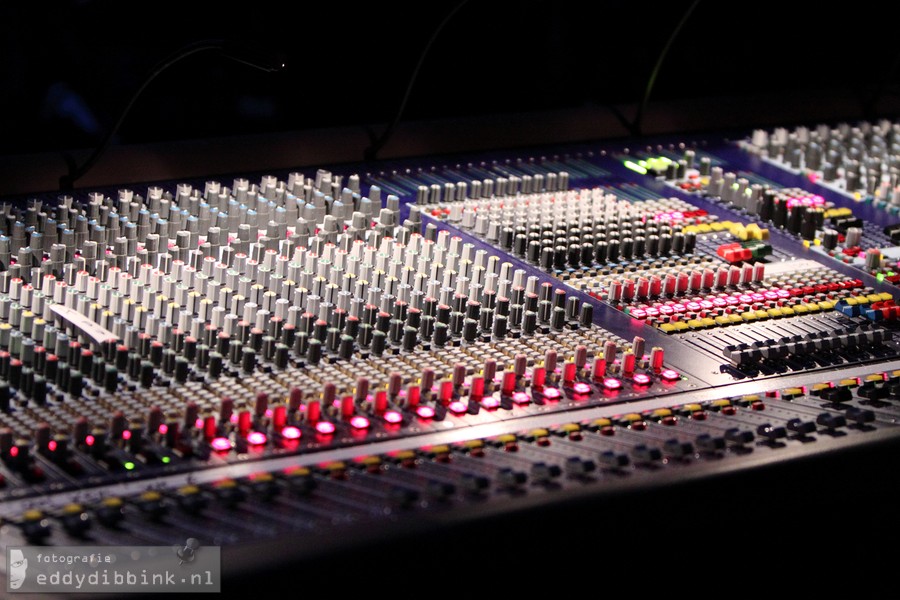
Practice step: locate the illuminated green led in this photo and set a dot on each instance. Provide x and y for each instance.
(735, 186)
(880, 277)
(635, 167)
(643, 163)
(166, 460)
(129, 465)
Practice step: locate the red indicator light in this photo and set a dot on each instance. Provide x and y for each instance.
(256, 438)
(221, 444)
(291, 433)
(325, 428)
(612, 384)
(425, 412)
(393, 417)
(359, 422)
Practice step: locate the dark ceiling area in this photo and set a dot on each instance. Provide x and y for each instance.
(69, 67)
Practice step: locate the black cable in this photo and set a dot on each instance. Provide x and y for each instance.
(264, 60)
(371, 153)
(639, 117)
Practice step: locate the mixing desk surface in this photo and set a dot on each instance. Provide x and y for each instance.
(671, 355)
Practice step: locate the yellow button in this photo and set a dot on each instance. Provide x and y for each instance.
(297, 472)
(113, 502)
(474, 444)
(72, 509)
(813, 307)
(692, 407)
(695, 324)
(787, 311)
(601, 423)
(370, 461)
(818, 387)
(749, 316)
(444, 449)
(708, 322)
(735, 318)
(874, 297)
(723, 320)
(407, 454)
(762, 315)
(539, 433)
(681, 325)
(631, 417)
(826, 305)
(150, 496)
(875, 377)
(791, 392)
(32, 515)
(720, 403)
(848, 383)
(774, 312)
(659, 413)
(801, 309)
(884, 296)
(668, 328)
(336, 465)
(570, 427)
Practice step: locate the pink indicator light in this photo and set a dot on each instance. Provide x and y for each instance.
(581, 388)
(14, 451)
(325, 428)
(220, 444)
(457, 407)
(552, 393)
(126, 435)
(233, 418)
(256, 438)
(198, 423)
(641, 379)
(89, 440)
(51, 445)
(269, 412)
(490, 402)
(521, 398)
(393, 417)
(670, 375)
(425, 412)
(290, 433)
(163, 428)
(612, 384)
(359, 422)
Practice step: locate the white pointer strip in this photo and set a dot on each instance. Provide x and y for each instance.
(83, 324)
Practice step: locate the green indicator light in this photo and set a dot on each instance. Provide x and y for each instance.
(129, 465)
(735, 186)
(166, 460)
(635, 167)
(642, 163)
(880, 277)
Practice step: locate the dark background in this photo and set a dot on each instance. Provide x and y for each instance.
(67, 67)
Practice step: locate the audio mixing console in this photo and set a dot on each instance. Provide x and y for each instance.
(299, 366)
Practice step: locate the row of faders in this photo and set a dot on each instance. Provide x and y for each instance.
(142, 334)
(373, 488)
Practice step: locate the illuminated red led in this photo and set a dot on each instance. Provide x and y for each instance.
(458, 407)
(198, 423)
(552, 393)
(220, 444)
(425, 412)
(611, 383)
(51, 445)
(490, 402)
(393, 417)
(641, 379)
(521, 398)
(325, 428)
(359, 422)
(14, 451)
(163, 429)
(126, 435)
(581, 388)
(89, 440)
(256, 438)
(670, 375)
(290, 433)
